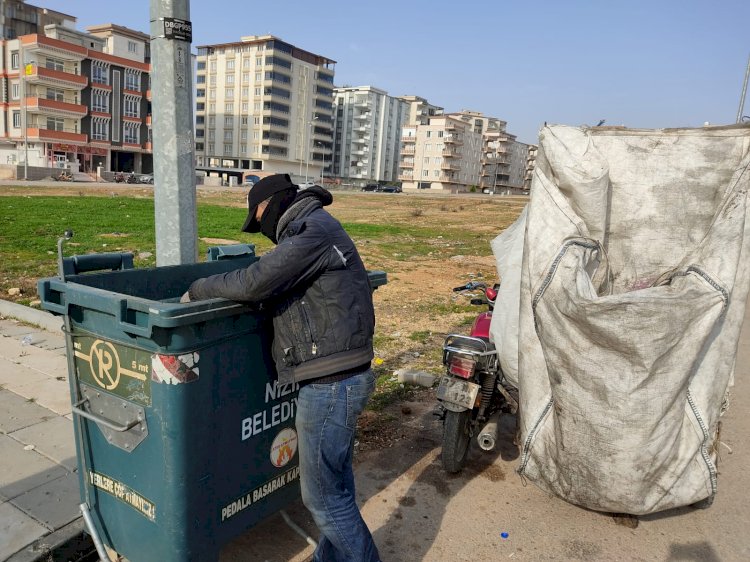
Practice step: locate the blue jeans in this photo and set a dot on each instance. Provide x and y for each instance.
(326, 420)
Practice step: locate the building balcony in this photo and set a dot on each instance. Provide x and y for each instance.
(51, 135)
(53, 47)
(363, 116)
(405, 164)
(363, 103)
(453, 139)
(449, 166)
(361, 140)
(447, 179)
(406, 177)
(49, 77)
(447, 153)
(409, 139)
(54, 107)
(408, 150)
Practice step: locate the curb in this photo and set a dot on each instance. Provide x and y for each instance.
(29, 315)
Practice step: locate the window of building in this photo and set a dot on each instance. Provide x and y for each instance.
(55, 64)
(100, 101)
(199, 146)
(258, 76)
(213, 66)
(256, 120)
(245, 92)
(227, 135)
(16, 119)
(132, 47)
(132, 107)
(257, 91)
(200, 93)
(99, 74)
(436, 173)
(130, 133)
(210, 148)
(212, 80)
(199, 133)
(200, 120)
(245, 107)
(243, 121)
(230, 64)
(256, 135)
(425, 173)
(229, 107)
(212, 121)
(99, 130)
(243, 135)
(246, 62)
(229, 94)
(201, 65)
(227, 149)
(228, 121)
(243, 148)
(245, 77)
(55, 124)
(200, 79)
(14, 60)
(426, 160)
(429, 134)
(230, 79)
(132, 81)
(200, 106)
(258, 61)
(440, 134)
(256, 106)
(15, 91)
(212, 94)
(212, 108)
(211, 134)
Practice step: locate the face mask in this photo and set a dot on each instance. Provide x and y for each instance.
(277, 206)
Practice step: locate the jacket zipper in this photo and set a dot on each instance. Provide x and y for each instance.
(313, 347)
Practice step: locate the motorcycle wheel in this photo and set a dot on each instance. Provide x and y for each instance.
(456, 440)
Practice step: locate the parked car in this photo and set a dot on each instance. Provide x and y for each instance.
(391, 189)
(146, 178)
(371, 187)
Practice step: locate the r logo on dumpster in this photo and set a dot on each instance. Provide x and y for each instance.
(105, 364)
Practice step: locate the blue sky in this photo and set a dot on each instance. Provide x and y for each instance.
(641, 63)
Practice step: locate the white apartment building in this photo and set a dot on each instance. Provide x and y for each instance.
(444, 154)
(367, 124)
(265, 105)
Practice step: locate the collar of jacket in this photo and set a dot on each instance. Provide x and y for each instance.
(306, 202)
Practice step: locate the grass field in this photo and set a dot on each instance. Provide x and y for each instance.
(426, 244)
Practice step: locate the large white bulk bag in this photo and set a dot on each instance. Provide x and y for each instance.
(633, 290)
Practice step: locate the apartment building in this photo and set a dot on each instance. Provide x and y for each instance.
(367, 124)
(263, 104)
(19, 18)
(420, 110)
(69, 103)
(444, 154)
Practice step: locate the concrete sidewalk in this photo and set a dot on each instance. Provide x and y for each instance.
(39, 495)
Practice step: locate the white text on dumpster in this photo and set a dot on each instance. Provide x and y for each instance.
(259, 493)
(278, 414)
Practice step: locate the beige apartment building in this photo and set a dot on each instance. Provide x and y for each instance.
(263, 105)
(444, 154)
(420, 110)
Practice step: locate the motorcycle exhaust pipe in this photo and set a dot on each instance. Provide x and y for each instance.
(487, 438)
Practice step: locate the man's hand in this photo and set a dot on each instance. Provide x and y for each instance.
(185, 297)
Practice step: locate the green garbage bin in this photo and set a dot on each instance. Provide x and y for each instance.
(185, 439)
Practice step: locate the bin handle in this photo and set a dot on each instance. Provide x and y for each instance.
(129, 327)
(101, 419)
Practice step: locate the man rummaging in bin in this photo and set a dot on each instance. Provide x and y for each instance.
(315, 286)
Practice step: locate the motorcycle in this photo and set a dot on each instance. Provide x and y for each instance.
(64, 175)
(473, 392)
(132, 178)
(119, 177)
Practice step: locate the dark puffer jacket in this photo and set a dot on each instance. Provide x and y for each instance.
(316, 287)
